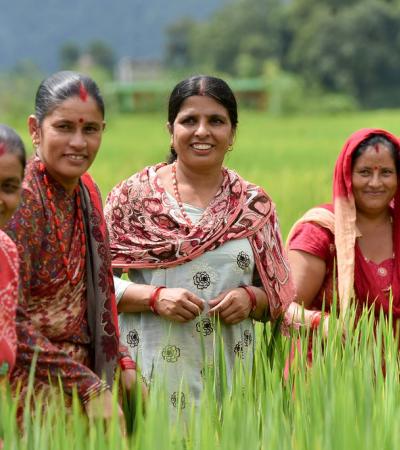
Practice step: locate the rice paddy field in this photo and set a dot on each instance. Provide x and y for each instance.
(348, 399)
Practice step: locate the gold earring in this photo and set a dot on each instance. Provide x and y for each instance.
(35, 141)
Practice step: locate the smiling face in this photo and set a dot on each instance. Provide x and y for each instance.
(201, 133)
(11, 172)
(374, 180)
(68, 139)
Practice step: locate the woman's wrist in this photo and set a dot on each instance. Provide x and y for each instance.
(154, 298)
(127, 363)
(252, 297)
(94, 391)
(315, 318)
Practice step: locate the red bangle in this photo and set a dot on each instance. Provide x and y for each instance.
(252, 296)
(154, 298)
(127, 363)
(315, 320)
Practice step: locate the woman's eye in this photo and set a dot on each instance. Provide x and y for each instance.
(189, 120)
(90, 129)
(63, 126)
(10, 188)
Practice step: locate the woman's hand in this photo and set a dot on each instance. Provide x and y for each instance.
(101, 407)
(129, 380)
(178, 305)
(232, 306)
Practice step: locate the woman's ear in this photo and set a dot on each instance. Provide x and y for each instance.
(233, 137)
(170, 128)
(34, 130)
(171, 134)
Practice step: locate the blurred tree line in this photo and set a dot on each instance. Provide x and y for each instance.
(346, 50)
(18, 86)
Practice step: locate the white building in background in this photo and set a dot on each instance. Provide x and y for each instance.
(129, 70)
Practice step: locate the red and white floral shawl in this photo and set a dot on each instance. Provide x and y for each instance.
(148, 231)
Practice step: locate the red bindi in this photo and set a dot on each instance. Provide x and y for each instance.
(80, 120)
(376, 167)
(83, 93)
(376, 147)
(2, 149)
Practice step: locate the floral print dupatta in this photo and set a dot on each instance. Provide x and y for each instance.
(148, 231)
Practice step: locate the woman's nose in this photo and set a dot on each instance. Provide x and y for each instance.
(202, 129)
(78, 140)
(375, 180)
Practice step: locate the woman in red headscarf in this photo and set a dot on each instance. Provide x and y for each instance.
(356, 237)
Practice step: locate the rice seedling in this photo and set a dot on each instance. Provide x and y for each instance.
(348, 398)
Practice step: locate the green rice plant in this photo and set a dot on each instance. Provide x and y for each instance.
(348, 398)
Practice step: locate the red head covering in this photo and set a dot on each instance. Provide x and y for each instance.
(352, 268)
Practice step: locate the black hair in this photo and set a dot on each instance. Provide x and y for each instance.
(59, 87)
(13, 144)
(203, 85)
(373, 141)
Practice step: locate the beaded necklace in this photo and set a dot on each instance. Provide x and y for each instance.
(178, 197)
(57, 226)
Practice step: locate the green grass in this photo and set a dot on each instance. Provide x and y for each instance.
(291, 157)
(343, 401)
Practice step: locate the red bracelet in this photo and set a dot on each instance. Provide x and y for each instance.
(315, 320)
(252, 296)
(127, 363)
(154, 298)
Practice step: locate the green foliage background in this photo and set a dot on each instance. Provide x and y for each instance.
(292, 158)
(335, 46)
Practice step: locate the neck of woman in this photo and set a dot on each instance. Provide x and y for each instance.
(371, 220)
(198, 187)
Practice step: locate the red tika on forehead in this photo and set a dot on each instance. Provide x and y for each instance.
(83, 93)
(2, 149)
(376, 147)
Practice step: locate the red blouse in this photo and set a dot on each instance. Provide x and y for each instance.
(318, 241)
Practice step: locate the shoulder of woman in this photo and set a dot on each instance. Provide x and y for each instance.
(312, 238)
(135, 181)
(251, 188)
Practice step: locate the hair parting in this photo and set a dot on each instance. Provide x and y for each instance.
(83, 93)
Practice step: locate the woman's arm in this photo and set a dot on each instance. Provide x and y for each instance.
(132, 297)
(308, 272)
